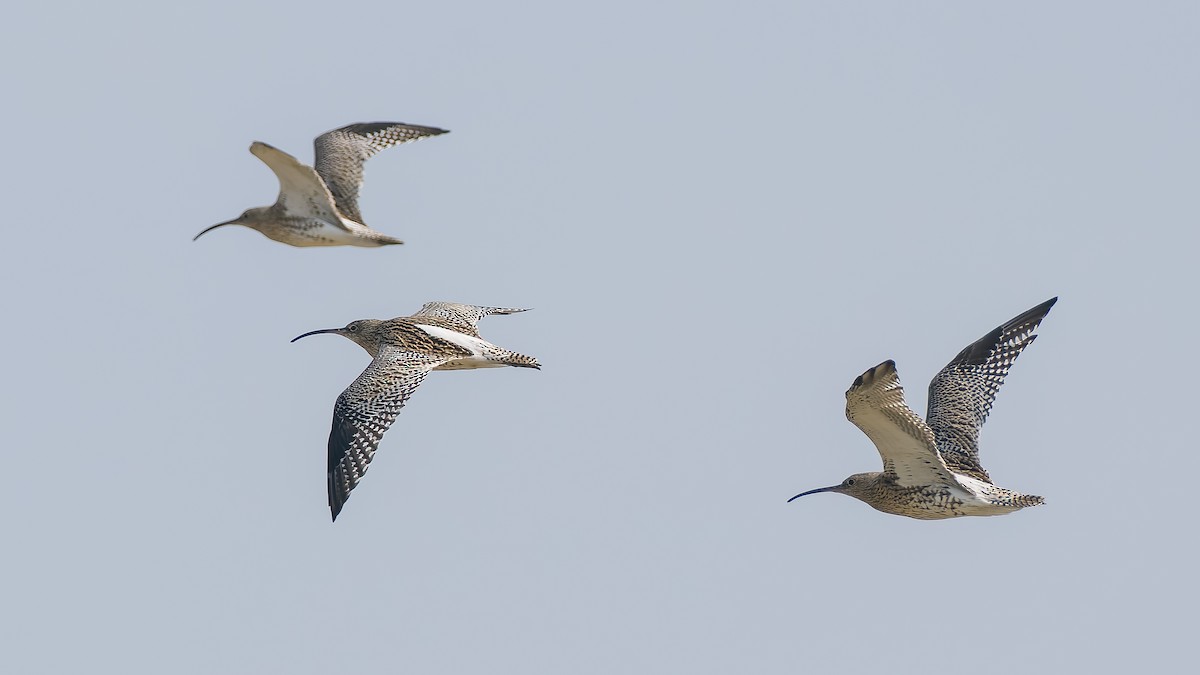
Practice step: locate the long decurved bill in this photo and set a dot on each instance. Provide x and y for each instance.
(210, 229)
(314, 332)
(813, 492)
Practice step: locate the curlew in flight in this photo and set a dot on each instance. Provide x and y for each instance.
(931, 467)
(319, 206)
(441, 336)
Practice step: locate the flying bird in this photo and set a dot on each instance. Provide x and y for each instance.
(441, 336)
(319, 206)
(931, 467)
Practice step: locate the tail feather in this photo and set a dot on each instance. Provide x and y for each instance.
(492, 358)
(522, 361)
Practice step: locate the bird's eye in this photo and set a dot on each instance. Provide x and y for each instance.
(353, 328)
(849, 482)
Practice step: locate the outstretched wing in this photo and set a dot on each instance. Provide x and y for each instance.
(302, 193)
(464, 318)
(365, 411)
(961, 394)
(341, 153)
(875, 404)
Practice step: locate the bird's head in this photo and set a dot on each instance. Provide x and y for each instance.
(856, 486)
(366, 333)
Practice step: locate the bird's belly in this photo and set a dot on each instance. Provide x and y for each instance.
(939, 502)
(312, 232)
(470, 363)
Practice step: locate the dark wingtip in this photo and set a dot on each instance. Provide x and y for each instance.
(335, 507)
(858, 381)
(432, 131)
(1033, 314)
(335, 504)
(372, 127)
(1042, 309)
(978, 351)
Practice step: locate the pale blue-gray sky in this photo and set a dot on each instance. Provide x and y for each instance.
(722, 213)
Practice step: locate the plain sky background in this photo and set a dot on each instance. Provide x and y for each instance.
(722, 213)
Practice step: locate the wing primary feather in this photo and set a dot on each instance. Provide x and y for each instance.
(962, 393)
(341, 153)
(365, 411)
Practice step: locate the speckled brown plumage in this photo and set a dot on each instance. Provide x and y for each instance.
(460, 317)
(364, 411)
(962, 393)
(441, 336)
(341, 153)
(931, 467)
(319, 206)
